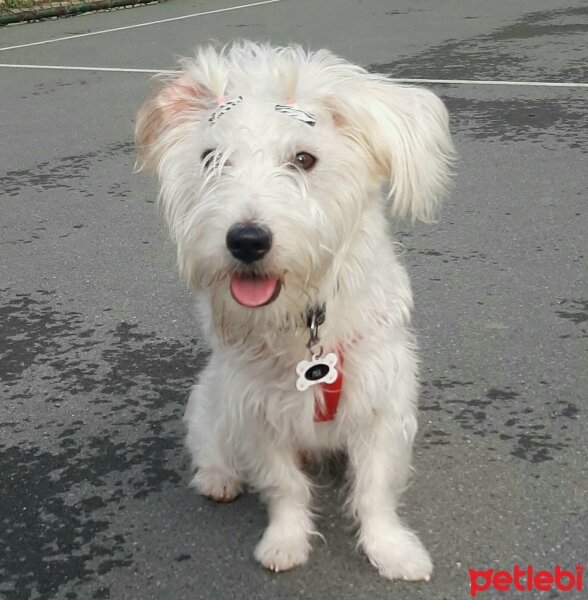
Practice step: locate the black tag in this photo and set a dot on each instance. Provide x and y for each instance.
(316, 372)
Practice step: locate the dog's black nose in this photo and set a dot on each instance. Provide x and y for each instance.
(249, 242)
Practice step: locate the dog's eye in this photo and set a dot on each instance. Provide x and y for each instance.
(207, 157)
(304, 161)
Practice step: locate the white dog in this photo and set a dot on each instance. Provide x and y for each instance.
(272, 164)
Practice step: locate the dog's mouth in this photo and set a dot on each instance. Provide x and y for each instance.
(254, 291)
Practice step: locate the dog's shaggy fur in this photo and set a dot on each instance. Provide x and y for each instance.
(380, 148)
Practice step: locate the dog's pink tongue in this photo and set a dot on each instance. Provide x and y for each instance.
(253, 291)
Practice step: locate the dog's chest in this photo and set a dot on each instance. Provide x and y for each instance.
(266, 389)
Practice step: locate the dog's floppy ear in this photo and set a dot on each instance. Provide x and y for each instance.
(407, 132)
(182, 99)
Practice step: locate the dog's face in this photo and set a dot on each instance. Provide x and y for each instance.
(271, 160)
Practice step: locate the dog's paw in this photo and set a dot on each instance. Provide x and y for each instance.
(400, 556)
(279, 551)
(215, 484)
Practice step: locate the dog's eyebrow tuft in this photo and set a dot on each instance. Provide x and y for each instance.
(296, 113)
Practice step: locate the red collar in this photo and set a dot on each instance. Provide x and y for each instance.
(331, 396)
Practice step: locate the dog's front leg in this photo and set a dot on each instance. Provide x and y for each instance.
(208, 439)
(287, 491)
(379, 457)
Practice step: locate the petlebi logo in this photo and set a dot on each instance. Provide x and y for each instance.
(526, 579)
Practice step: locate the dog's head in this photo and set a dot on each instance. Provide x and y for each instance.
(271, 160)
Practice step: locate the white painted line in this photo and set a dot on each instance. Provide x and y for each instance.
(200, 14)
(564, 84)
(482, 82)
(107, 69)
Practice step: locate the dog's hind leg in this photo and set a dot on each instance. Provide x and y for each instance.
(379, 459)
(209, 447)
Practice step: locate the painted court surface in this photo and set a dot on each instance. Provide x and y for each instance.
(98, 343)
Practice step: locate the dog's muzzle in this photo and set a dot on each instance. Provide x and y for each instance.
(248, 242)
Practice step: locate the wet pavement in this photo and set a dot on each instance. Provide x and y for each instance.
(99, 343)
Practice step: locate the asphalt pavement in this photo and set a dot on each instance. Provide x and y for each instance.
(99, 344)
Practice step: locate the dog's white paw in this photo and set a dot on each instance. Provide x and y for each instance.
(216, 484)
(400, 555)
(279, 551)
